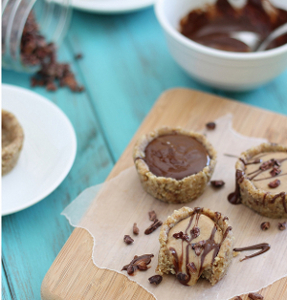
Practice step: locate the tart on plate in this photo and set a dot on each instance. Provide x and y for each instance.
(12, 141)
(174, 165)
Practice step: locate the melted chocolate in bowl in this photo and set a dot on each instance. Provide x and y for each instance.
(176, 156)
(213, 25)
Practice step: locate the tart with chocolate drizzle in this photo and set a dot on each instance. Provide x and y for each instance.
(195, 243)
(174, 165)
(261, 180)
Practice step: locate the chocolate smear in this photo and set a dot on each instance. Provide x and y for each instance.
(156, 279)
(235, 197)
(263, 246)
(138, 263)
(237, 298)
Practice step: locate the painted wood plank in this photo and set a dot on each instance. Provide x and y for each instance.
(31, 239)
(127, 65)
(74, 276)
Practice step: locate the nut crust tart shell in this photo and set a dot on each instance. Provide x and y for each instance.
(268, 203)
(12, 141)
(220, 252)
(168, 189)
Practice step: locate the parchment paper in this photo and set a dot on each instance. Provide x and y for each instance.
(109, 210)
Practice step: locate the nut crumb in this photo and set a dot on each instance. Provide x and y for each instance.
(128, 240)
(265, 226)
(210, 125)
(282, 226)
(156, 279)
(255, 296)
(152, 215)
(135, 229)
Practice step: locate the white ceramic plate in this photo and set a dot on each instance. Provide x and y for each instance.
(111, 6)
(48, 152)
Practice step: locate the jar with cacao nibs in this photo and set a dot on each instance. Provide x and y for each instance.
(31, 29)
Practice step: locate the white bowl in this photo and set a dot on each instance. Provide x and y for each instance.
(220, 69)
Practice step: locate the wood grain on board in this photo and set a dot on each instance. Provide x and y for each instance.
(73, 274)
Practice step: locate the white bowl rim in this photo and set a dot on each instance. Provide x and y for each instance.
(208, 50)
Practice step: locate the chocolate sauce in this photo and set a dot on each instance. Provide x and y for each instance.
(212, 26)
(207, 246)
(176, 156)
(263, 246)
(235, 198)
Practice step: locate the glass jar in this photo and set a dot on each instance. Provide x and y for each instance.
(52, 18)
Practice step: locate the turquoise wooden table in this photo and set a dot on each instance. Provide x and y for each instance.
(125, 68)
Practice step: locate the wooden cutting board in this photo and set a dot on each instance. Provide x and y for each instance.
(73, 274)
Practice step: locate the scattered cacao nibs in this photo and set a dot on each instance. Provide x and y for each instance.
(152, 215)
(269, 164)
(192, 268)
(138, 263)
(181, 235)
(265, 226)
(210, 125)
(135, 229)
(217, 183)
(36, 51)
(156, 279)
(282, 226)
(255, 296)
(274, 184)
(153, 226)
(78, 56)
(198, 247)
(275, 171)
(237, 298)
(181, 276)
(128, 240)
(194, 233)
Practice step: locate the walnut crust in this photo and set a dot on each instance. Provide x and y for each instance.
(221, 261)
(11, 149)
(258, 199)
(168, 189)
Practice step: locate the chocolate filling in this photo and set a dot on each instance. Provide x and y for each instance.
(176, 156)
(212, 27)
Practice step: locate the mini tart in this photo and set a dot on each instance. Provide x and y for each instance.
(12, 141)
(211, 265)
(168, 189)
(271, 204)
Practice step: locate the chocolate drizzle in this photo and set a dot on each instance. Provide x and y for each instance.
(273, 165)
(263, 246)
(235, 198)
(202, 248)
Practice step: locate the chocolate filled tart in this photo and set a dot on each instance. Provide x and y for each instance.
(256, 171)
(174, 165)
(195, 243)
(12, 141)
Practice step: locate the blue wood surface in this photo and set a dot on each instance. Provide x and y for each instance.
(126, 66)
